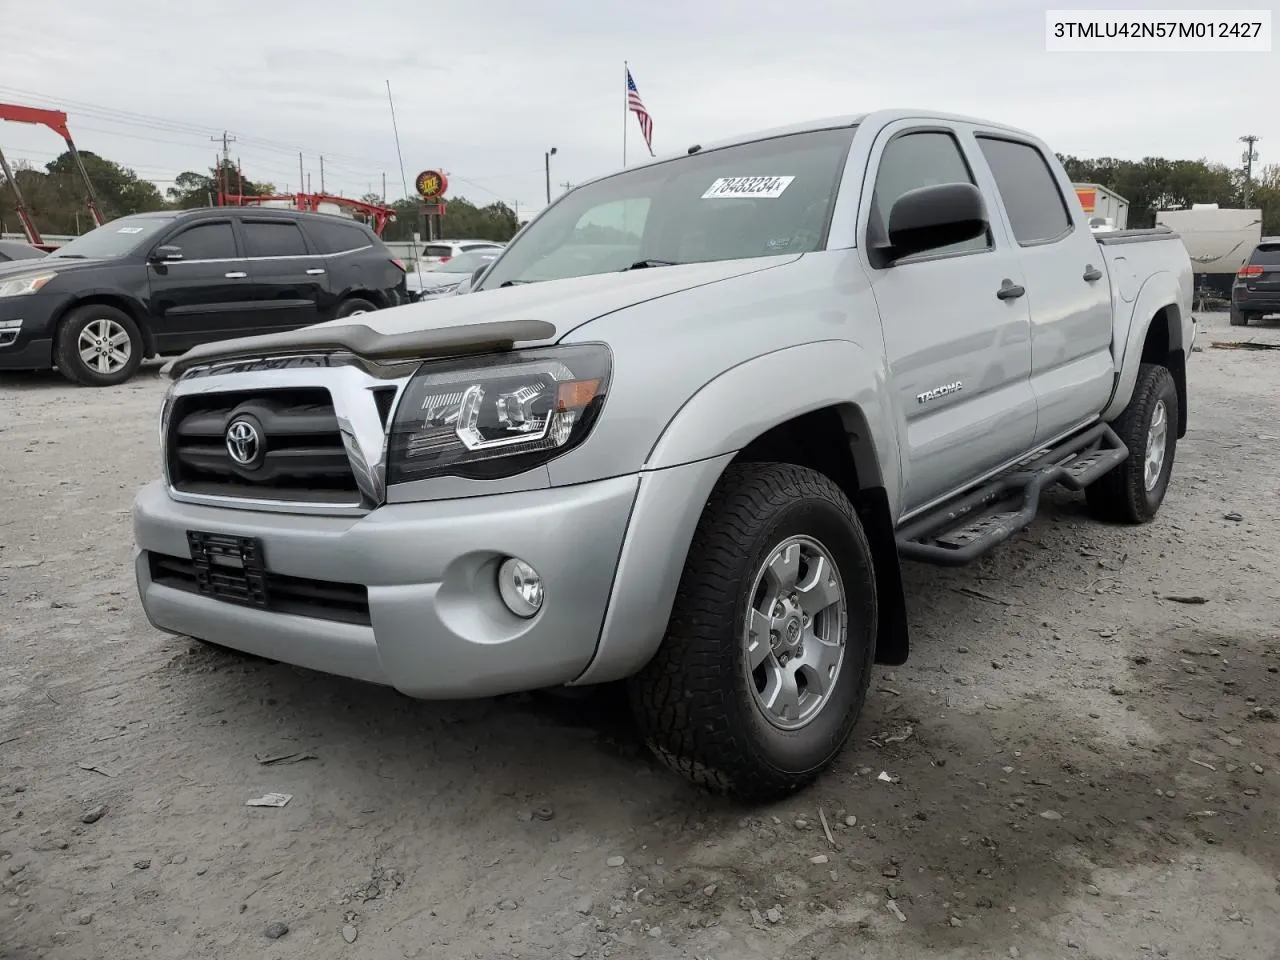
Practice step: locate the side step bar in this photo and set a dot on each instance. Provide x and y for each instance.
(962, 530)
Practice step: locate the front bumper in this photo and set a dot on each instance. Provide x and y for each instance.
(26, 332)
(435, 626)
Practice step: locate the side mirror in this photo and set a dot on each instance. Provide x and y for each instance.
(477, 273)
(928, 218)
(165, 254)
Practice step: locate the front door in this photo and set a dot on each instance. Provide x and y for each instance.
(958, 349)
(287, 282)
(1072, 368)
(203, 296)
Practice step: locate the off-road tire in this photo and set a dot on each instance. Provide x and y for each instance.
(353, 306)
(1121, 496)
(66, 352)
(1239, 319)
(692, 701)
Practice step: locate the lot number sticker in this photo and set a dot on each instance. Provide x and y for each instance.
(752, 187)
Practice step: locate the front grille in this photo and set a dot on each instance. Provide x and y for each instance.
(319, 599)
(297, 449)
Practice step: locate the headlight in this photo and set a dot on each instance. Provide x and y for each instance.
(496, 416)
(23, 285)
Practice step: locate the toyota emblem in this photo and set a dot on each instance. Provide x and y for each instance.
(244, 443)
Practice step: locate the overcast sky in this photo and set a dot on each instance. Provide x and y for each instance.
(482, 89)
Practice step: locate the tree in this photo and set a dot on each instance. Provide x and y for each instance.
(191, 190)
(57, 196)
(462, 218)
(1155, 184)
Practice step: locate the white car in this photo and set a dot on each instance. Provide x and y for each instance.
(441, 279)
(442, 251)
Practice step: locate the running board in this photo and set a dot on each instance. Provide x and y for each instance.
(961, 530)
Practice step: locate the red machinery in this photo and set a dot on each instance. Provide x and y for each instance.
(379, 216)
(56, 121)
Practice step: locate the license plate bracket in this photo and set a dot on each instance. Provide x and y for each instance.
(229, 568)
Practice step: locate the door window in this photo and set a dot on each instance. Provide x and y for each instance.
(207, 241)
(273, 238)
(924, 158)
(337, 237)
(1037, 211)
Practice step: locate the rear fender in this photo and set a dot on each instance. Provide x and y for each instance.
(1159, 293)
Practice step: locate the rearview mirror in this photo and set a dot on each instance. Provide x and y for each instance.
(166, 253)
(929, 218)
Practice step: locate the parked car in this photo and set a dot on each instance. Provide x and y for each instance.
(442, 251)
(11, 250)
(161, 283)
(443, 278)
(700, 413)
(1256, 290)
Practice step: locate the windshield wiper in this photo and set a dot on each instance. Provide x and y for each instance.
(512, 283)
(68, 256)
(642, 264)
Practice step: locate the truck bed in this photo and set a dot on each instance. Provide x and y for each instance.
(1115, 237)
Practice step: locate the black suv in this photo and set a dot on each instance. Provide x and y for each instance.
(1256, 291)
(161, 283)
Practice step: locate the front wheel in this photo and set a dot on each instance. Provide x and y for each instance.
(98, 346)
(769, 649)
(1133, 491)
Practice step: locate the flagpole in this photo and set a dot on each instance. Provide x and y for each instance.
(626, 103)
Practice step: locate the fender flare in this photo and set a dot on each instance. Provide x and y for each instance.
(1159, 292)
(693, 450)
(745, 401)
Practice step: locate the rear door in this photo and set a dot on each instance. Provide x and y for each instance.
(345, 248)
(205, 295)
(1068, 290)
(959, 356)
(288, 283)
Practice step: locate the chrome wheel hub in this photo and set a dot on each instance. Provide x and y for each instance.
(104, 346)
(795, 632)
(1157, 445)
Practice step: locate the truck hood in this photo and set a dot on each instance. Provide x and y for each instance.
(534, 313)
(567, 304)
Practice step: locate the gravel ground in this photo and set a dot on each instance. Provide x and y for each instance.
(1072, 764)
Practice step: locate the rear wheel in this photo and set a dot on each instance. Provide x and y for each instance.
(1239, 319)
(1133, 491)
(353, 307)
(768, 652)
(98, 346)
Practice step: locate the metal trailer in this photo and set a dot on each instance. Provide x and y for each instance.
(1107, 210)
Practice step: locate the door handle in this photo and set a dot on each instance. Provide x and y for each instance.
(315, 271)
(1092, 273)
(235, 275)
(1010, 290)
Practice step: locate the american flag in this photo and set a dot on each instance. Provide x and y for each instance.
(636, 105)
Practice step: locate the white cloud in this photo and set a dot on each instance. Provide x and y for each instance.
(483, 89)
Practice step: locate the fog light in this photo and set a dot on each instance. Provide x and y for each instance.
(520, 587)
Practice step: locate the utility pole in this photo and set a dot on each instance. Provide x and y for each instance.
(384, 187)
(226, 159)
(308, 183)
(567, 186)
(1249, 156)
(547, 160)
(322, 174)
(301, 176)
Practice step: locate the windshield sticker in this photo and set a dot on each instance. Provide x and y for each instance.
(129, 230)
(752, 187)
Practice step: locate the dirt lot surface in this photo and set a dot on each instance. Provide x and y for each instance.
(1081, 759)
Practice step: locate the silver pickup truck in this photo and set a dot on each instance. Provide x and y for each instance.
(680, 434)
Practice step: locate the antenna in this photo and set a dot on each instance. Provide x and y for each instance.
(404, 180)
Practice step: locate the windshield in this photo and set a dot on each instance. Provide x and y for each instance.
(466, 262)
(115, 239)
(1266, 254)
(757, 199)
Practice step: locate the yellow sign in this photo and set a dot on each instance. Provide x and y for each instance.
(431, 184)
